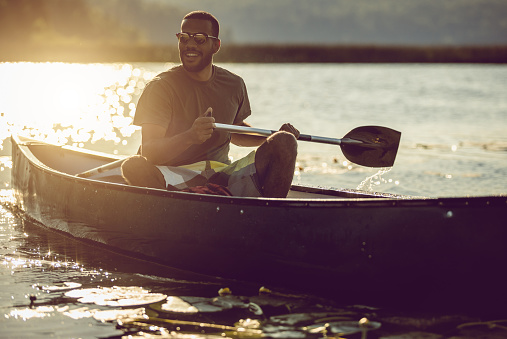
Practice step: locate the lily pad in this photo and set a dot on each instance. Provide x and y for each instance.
(116, 296)
(343, 327)
(193, 305)
(178, 305)
(302, 319)
(64, 286)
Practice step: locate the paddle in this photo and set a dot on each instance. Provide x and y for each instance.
(370, 146)
(103, 168)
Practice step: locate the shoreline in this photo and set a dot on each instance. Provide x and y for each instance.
(97, 53)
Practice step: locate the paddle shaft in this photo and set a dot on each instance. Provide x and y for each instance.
(97, 170)
(267, 133)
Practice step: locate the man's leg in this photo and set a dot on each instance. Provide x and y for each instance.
(275, 161)
(138, 171)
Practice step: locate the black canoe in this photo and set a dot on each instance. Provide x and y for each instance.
(338, 243)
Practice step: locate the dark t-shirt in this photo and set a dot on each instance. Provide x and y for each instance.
(174, 100)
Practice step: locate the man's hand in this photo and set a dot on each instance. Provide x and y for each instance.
(291, 129)
(202, 128)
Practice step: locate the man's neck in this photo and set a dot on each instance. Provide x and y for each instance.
(203, 75)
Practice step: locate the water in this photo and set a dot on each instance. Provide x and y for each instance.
(453, 120)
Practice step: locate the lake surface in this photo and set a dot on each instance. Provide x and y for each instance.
(453, 120)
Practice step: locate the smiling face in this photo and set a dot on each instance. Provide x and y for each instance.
(197, 58)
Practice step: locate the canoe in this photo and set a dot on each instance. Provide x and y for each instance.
(330, 242)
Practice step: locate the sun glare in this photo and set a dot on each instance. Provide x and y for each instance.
(71, 103)
(70, 99)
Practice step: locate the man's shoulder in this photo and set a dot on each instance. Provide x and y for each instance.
(224, 73)
(175, 72)
(165, 80)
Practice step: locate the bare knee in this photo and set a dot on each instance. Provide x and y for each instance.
(132, 166)
(138, 171)
(283, 144)
(275, 161)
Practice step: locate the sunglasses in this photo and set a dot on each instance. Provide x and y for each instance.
(199, 38)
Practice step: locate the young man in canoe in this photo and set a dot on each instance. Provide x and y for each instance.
(181, 149)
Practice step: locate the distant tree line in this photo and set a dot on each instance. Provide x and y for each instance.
(88, 53)
(363, 54)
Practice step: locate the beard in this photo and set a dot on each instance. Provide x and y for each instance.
(206, 58)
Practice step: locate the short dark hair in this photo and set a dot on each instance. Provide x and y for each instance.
(202, 15)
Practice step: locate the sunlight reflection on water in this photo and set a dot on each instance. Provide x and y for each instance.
(71, 104)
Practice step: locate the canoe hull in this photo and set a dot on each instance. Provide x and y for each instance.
(369, 246)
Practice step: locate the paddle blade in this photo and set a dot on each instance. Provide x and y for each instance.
(378, 148)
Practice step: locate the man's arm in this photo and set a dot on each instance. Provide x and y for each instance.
(246, 140)
(159, 149)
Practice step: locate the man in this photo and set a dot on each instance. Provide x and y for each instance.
(177, 112)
